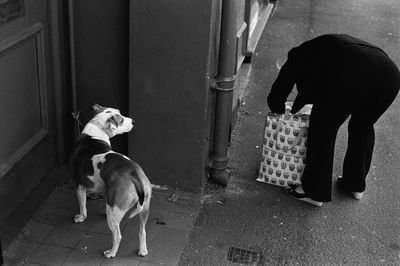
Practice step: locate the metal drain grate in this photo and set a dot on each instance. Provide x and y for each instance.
(243, 256)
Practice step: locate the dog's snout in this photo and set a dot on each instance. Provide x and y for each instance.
(133, 121)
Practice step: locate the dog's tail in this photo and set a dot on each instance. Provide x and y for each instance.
(139, 178)
(139, 189)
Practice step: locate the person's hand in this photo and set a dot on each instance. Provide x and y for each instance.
(277, 110)
(297, 105)
(275, 105)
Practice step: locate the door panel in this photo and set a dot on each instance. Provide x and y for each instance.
(27, 146)
(21, 68)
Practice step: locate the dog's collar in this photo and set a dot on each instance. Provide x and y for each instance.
(96, 133)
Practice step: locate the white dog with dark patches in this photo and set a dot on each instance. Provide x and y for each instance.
(97, 168)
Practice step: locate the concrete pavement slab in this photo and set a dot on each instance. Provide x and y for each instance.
(35, 232)
(82, 257)
(121, 262)
(19, 252)
(64, 237)
(167, 246)
(148, 264)
(95, 243)
(53, 215)
(50, 255)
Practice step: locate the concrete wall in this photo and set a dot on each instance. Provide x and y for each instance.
(172, 45)
(102, 56)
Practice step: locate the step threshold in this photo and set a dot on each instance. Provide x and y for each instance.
(263, 16)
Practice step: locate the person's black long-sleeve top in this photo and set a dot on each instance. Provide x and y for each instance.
(311, 66)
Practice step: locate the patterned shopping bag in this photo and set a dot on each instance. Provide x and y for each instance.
(284, 149)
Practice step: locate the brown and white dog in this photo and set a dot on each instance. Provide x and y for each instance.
(96, 168)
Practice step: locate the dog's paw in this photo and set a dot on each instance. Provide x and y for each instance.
(79, 218)
(142, 253)
(109, 254)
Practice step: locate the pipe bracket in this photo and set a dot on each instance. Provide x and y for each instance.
(224, 84)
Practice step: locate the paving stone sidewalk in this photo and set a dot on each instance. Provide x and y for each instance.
(51, 237)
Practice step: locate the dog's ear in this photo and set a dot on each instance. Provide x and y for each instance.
(96, 108)
(91, 111)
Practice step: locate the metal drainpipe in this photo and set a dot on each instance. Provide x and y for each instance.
(224, 86)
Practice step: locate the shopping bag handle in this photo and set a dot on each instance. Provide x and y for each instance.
(286, 116)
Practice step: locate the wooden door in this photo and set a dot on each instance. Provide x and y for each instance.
(27, 131)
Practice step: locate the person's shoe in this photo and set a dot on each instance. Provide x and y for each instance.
(291, 192)
(357, 195)
(342, 186)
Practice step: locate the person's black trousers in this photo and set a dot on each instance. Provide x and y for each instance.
(363, 91)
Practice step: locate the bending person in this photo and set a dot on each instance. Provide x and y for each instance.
(341, 76)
